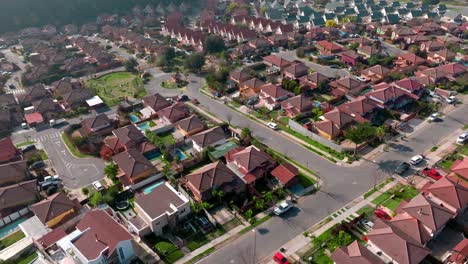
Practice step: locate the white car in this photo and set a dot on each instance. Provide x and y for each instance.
(51, 178)
(367, 223)
(461, 139)
(272, 125)
(362, 79)
(451, 99)
(98, 186)
(416, 159)
(282, 207)
(434, 117)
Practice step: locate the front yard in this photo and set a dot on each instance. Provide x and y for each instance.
(392, 198)
(165, 249)
(114, 87)
(11, 239)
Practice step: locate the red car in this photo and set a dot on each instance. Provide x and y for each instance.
(382, 214)
(432, 173)
(280, 258)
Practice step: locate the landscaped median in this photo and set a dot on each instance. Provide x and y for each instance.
(71, 147)
(392, 198)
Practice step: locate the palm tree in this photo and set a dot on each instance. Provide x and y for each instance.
(380, 133)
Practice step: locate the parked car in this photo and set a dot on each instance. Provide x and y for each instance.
(334, 66)
(98, 186)
(432, 173)
(282, 207)
(203, 222)
(52, 178)
(183, 98)
(28, 148)
(434, 117)
(451, 99)
(272, 125)
(37, 165)
(461, 139)
(366, 223)
(402, 168)
(280, 258)
(382, 214)
(360, 78)
(416, 159)
(47, 184)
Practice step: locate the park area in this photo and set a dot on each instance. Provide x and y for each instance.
(114, 87)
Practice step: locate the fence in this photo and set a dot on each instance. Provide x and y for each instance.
(304, 131)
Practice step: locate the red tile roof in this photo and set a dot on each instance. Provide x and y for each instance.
(459, 253)
(461, 168)
(329, 45)
(277, 61)
(34, 118)
(8, 151)
(412, 227)
(328, 127)
(51, 238)
(285, 173)
(355, 253)
(450, 192)
(409, 84)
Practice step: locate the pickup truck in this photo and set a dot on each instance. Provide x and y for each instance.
(56, 122)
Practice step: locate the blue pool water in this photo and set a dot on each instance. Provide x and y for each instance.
(151, 187)
(11, 227)
(180, 154)
(133, 118)
(144, 126)
(152, 155)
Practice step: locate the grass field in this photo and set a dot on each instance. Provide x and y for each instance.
(113, 87)
(393, 197)
(11, 239)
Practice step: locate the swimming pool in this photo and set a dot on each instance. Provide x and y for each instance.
(180, 154)
(144, 126)
(133, 118)
(151, 187)
(152, 155)
(11, 227)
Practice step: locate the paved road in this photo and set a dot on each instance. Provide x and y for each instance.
(15, 78)
(391, 49)
(325, 70)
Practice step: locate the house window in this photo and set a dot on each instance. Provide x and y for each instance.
(121, 253)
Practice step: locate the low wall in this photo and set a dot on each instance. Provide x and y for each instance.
(304, 131)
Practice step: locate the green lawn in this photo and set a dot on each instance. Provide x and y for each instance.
(400, 193)
(365, 210)
(305, 180)
(114, 87)
(201, 255)
(320, 257)
(169, 85)
(168, 251)
(463, 149)
(26, 259)
(72, 148)
(25, 143)
(378, 187)
(446, 164)
(167, 138)
(11, 239)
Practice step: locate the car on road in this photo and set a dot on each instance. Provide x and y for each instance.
(282, 208)
(402, 168)
(415, 160)
(37, 165)
(183, 98)
(382, 214)
(434, 117)
(28, 147)
(280, 258)
(11, 86)
(334, 66)
(272, 125)
(366, 223)
(98, 186)
(451, 99)
(461, 139)
(360, 78)
(432, 173)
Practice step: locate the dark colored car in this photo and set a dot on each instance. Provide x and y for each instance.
(432, 173)
(402, 168)
(37, 165)
(382, 214)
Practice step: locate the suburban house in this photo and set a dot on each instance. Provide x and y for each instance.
(190, 126)
(459, 253)
(156, 102)
(11, 114)
(375, 73)
(350, 58)
(133, 167)
(329, 48)
(15, 199)
(8, 151)
(97, 125)
(56, 209)
(360, 109)
(14, 172)
(410, 86)
(173, 113)
(295, 71)
(215, 176)
(367, 51)
(250, 163)
(313, 80)
(98, 238)
(409, 59)
(355, 253)
(346, 85)
(272, 94)
(296, 105)
(286, 174)
(209, 138)
(250, 88)
(33, 93)
(240, 76)
(75, 98)
(275, 61)
(158, 210)
(332, 123)
(441, 56)
(124, 138)
(450, 193)
(391, 97)
(48, 108)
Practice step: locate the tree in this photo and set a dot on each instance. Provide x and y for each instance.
(194, 62)
(218, 194)
(317, 112)
(231, 7)
(214, 44)
(248, 214)
(268, 196)
(330, 23)
(360, 134)
(96, 199)
(166, 56)
(130, 65)
(245, 135)
(291, 85)
(111, 171)
(85, 191)
(380, 133)
(300, 53)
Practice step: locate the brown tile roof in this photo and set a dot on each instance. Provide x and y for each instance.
(51, 238)
(132, 162)
(209, 136)
(250, 158)
(54, 206)
(354, 253)
(95, 123)
(452, 68)
(377, 69)
(18, 195)
(450, 192)
(368, 50)
(13, 172)
(8, 150)
(396, 244)
(427, 212)
(338, 117)
(412, 227)
(159, 200)
(461, 168)
(156, 101)
(174, 112)
(253, 83)
(360, 106)
(315, 78)
(386, 94)
(213, 175)
(129, 135)
(351, 53)
(298, 104)
(328, 127)
(240, 75)
(445, 53)
(277, 61)
(409, 84)
(349, 83)
(297, 70)
(459, 253)
(411, 58)
(191, 123)
(101, 232)
(274, 91)
(285, 172)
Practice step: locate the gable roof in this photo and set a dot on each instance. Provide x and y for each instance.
(174, 112)
(250, 158)
(129, 134)
(53, 206)
(409, 84)
(285, 172)
(349, 83)
(156, 101)
(338, 117)
(274, 91)
(20, 194)
(240, 75)
(211, 176)
(461, 168)
(132, 162)
(298, 104)
(253, 83)
(411, 58)
(161, 200)
(412, 227)
(297, 68)
(450, 192)
(191, 123)
(376, 69)
(8, 150)
(355, 253)
(209, 136)
(328, 127)
(101, 232)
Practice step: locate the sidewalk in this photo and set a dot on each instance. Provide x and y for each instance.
(301, 242)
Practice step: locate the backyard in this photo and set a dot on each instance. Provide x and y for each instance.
(393, 197)
(11, 239)
(114, 87)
